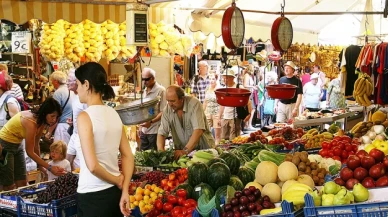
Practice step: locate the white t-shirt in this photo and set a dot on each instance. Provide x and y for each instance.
(3, 113)
(311, 94)
(107, 131)
(230, 112)
(65, 164)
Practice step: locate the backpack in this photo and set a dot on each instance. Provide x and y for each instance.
(23, 105)
(242, 112)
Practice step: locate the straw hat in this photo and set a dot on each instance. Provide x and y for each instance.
(229, 72)
(262, 55)
(291, 64)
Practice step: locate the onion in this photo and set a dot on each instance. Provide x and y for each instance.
(371, 135)
(380, 137)
(366, 140)
(378, 129)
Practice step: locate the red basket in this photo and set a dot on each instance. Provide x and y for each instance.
(232, 97)
(281, 91)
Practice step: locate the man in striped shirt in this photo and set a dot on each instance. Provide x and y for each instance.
(200, 82)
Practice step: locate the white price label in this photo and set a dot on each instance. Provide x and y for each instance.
(21, 42)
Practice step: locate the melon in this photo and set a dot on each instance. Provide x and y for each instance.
(307, 180)
(287, 171)
(266, 172)
(273, 191)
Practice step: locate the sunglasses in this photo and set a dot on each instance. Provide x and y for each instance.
(146, 79)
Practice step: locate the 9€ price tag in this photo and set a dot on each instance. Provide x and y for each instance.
(21, 42)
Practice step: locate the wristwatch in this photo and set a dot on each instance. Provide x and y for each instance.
(186, 150)
(49, 168)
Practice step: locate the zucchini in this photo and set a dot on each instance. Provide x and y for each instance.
(277, 158)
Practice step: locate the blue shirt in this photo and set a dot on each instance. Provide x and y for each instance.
(61, 95)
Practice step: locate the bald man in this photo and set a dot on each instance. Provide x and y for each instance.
(185, 118)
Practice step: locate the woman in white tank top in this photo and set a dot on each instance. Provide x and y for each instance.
(102, 189)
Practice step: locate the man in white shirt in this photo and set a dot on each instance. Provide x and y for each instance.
(321, 75)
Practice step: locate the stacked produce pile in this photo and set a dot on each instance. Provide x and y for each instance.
(52, 41)
(74, 46)
(363, 89)
(125, 51)
(314, 138)
(166, 41)
(63, 186)
(340, 148)
(145, 197)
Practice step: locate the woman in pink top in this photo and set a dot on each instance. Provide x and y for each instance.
(305, 77)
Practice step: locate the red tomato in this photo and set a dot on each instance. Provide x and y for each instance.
(181, 193)
(325, 145)
(324, 153)
(341, 145)
(191, 202)
(176, 211)
(337, 158)
(346, 138)
(190, 210)
(181, 201)
(330, 153)
(337, 151)
(172, 199)
(164, 182)
(333, 144)
(167, 207)
(344, 154)
(348, 148)
(171, 176)
(354, 148)
(158, 204)
(184, 211)
(181, 215)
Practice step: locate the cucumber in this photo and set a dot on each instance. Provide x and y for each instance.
(277, 158)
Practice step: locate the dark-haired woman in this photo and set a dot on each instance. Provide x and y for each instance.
(28, 125)
(102, 189)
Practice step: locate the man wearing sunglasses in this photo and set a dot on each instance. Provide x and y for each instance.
(149, 130)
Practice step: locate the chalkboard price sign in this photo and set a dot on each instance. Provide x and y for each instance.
(21, 42)
(140, 28)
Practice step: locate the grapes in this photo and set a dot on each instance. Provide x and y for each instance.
(63, 186)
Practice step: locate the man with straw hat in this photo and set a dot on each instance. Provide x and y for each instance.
(287, 109)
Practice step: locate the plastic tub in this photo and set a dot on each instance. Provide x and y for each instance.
(233, 97)
(281, 91)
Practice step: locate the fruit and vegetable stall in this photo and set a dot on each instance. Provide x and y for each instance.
(285, 172)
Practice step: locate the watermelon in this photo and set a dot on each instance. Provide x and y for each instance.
(186, 187)
(197, 173)
(246, 175)
(232, 162)
(236, 183)
(202, 188)
(215, 160)
(218, 175)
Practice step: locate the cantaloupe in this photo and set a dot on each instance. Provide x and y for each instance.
(288, 184)
(307, 180)
(273, 191)
(266, 172)
(255, 184)
(287, 171)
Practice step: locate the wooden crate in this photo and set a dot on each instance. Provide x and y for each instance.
(33, 176)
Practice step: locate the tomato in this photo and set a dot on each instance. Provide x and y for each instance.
(181, 193)
(354, 148)
(325, 145)
(341, 145)
(337, 151)
(184, 211)
(190, 210)
(192, 203)
(330, 153)
(181, 201)
(323, 153)
(337, 158)
(164, 182)
(158, 204)
(167, 207)
(344, 154)
(346, 138)
(172, 199)
(176, 211)
(171, 176)
(333, 144)
(181, 215)
(181, 179)
(348, 148)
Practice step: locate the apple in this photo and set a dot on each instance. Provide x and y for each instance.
(385, 162)
(346, 174)
(350, 183)
(367, 162)
(339, 181)
(368, 182)
(353, 162)
(361, 154)
(377, 171)
(382, 181)
(360, 173)
(377, 155)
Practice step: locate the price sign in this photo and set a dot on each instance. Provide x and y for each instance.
(21, 42)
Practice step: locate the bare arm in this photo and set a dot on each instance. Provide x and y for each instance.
(32, 142)
(205, 104)
(127, 161)
(71, 158)
(12, 109)
(299, 99)
(87, 144)
(161, 142)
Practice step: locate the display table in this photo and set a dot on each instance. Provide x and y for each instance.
(324, 120)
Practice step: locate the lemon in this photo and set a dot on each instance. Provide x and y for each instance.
(132, 206)
(146, 199)
(141, 204)
(139, 190)
(138, 197)
(136, 203)
(131, 198)
(157, 190)
(153, 186)
(148, 187)
(147, 191)
(153, 194)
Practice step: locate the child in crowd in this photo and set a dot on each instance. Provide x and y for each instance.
(58, 152)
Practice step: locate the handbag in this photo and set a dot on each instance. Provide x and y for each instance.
(70, 130)
(269, 107)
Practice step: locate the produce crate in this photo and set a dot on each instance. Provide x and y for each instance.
(65, 207)
(8, 199)
(353, 210)
(287, 211)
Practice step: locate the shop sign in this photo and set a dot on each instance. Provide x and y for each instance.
(21, 42)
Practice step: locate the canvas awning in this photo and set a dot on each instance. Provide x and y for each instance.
(22, 11)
